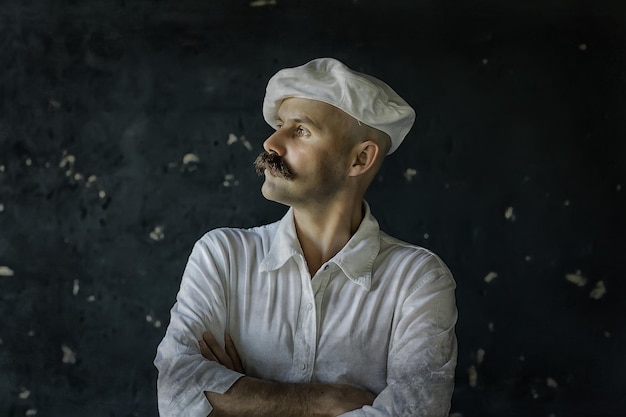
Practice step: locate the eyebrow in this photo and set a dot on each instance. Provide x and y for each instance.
(300, 118)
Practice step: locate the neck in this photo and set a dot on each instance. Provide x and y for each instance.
(324, 231)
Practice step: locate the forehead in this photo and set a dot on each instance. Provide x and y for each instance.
(313, 111)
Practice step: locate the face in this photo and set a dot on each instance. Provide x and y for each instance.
(313, 143)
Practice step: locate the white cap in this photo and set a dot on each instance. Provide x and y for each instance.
(363, 97)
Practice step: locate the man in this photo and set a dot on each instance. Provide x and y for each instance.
(321, 313)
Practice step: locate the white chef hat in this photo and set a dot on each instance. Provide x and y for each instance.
(363, 97)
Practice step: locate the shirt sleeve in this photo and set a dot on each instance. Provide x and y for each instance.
(422, 353)
(183, 373)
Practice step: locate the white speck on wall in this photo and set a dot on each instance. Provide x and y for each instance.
(31, 333)
(576, 278)
(485, 61)
(456, 414)
(2, 168)
(534, 393)
(551, 382)
(54, 104)
(229, 180)
(28, 162)
(102, 194)
(607, 334)
(157, 234)
(426, 235)
(566, 203)
(509, 214)
(232, 138)
(1, 207)
(190, 158)
(618, 187)
(23, 394)
(157, 323)
(149, 318)
(47, 164)
(582, 47)
(68, 355)
(90, 180)
(598, 291)
(31, 412)
(75, 287)
(246, 143)
(490, 277)
(91, 298)
(1, 341)
(473, 376)
(522, 358)
(78, 176)
(260, 3)
(491, 327)
(5, 271)
(67, 161)
(480, 356)
(528, 258)
(409, 174)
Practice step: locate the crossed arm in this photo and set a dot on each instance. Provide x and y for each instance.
(260, 398)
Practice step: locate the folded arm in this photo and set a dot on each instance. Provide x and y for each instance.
(260, 398)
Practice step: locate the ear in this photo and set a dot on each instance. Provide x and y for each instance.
(365, 157)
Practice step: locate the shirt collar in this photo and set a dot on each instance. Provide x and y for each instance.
(355, 259)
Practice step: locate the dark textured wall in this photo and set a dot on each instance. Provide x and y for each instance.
(128, 129)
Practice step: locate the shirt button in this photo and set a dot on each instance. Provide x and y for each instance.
(303, 366)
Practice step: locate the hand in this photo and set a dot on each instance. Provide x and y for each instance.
(213, 351)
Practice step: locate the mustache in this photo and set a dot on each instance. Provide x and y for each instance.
(274, 163)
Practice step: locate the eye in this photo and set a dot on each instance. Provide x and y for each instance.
(300, 131)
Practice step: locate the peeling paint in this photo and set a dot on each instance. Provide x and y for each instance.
(67, 161)
(91, 298)
(409, 174)
(102, 194)
(157, 234)
(509, 214)
(598, 291)
(75, 287)
(5, 271)
(24, 393)
(1, 207)
(69, 356)
(490, 277)
(551, 382)
(260, 3)
(229, 180)
(473, 376)
(31, 412)
(232, 138)
(190, 158)
(480, 356)
(576, 278)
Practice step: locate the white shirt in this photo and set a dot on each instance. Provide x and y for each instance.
(379, 315)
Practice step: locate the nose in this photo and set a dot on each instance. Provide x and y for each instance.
(275, 143)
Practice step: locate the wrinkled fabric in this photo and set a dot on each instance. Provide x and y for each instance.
(379, 315)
